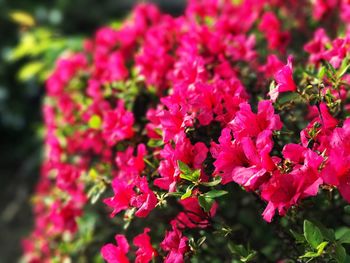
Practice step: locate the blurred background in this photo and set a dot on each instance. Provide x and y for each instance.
(33, 34)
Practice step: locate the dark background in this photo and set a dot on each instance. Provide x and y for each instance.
(20, 102)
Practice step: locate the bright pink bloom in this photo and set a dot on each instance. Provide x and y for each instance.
(272, 65)
(270, 26)
(145, 251)
(130, 167)
(192, 155)
(317, 46)
(284, 80)
(145, 200)
(337, 168)
(117, 124)
(123, 194)
(116, 253)
(245, 162)
(175, 244)
(284, 190)
(250, 124)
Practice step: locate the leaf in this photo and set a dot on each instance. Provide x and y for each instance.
(187, 173)
(217, 180)
(248, 258)
(237, 249)
(184, 168)
(345, 238)
(22, 18)
(187, 194)
(288, 97)
(215, 193)
(327, 233)
(298, 237)
(95, 122)
(30, 70)
(244, 254)
(340, 253)
(95, 192)
(312, 234)
(321, 247)
(205, 203)
(321, 72)
(309, 254)
(154, 143)
(344, 68)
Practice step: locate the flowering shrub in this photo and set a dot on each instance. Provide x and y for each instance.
(165, 122)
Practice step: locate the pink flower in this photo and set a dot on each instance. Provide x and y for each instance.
(63, 217)
(130, 167)
(145, 251)
(337, 168)
(123, 194)
(175, 244)
(116, 253)
(245, 162)
(249, 124)
(322, 8)
(272, 65)
(145, 201)
(117, 125)
(284, 190)
(192, 155)
(228, 154)
(317, 46)
(271, 28)
(66, 69)
(284, 80)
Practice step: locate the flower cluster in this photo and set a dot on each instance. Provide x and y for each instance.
(154, 121)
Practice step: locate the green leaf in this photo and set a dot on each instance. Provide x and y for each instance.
(30, 70)
(345, 238)
(244, 254)
(321, 247)
(340, 253)
(205, 203)
(248, 258)
(327, 233)
(95, 122)
(344, 68)
(347, 209)
(321, 72)
(153, 143)
(187, 173)
(298, 237)
(237, 249)
(22, 18)
(217, 180)
(312, 234)
(309, 254)
(95, 192)
(187, 194)
(184, 168)
(215, 193)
